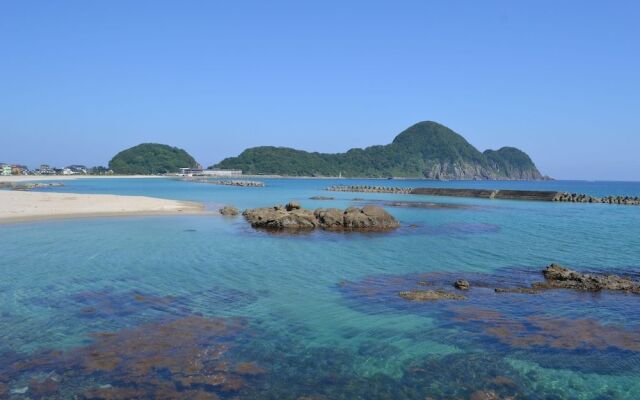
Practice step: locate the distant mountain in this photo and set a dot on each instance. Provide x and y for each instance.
(151, 158)
(426, 150)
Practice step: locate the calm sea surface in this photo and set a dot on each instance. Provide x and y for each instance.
(207, 307)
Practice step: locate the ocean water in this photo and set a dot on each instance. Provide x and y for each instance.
(207, 307)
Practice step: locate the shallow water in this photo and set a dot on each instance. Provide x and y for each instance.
(318, 314)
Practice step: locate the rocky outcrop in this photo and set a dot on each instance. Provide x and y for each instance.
(321, 198)
(279, 218)
(558, 277)
(368, 218)
(229, 211)
(29, 186)
(430, 295)
(293, 217)
(462, 284)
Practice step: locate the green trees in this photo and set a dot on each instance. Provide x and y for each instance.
(426, 149)
(151, 158)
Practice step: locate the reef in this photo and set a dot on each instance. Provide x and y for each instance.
(293, 217)
(557, 328)
(429, 295)
(182, 358)
(550, 332)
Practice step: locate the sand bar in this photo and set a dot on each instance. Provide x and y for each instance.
(16, 206)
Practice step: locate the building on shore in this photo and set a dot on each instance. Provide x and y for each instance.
(45, 169)
(5, 169)
(17, 169)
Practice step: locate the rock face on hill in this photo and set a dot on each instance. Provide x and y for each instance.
(425, 150)
(151, 158)
(294, 218)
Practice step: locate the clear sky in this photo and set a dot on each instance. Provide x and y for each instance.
(82, 80)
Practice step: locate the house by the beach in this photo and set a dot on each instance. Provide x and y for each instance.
(5, 169)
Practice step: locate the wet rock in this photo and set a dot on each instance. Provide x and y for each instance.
(229, 211)
(3, 390)
(559, 277)
(330, 218)
(461, 284)
(367, 218)
(278, 217)
(429, 295)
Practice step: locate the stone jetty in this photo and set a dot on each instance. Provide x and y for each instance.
(532, 195)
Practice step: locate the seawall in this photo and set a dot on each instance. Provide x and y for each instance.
(530, 195)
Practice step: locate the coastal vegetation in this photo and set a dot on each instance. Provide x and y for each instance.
(150, 159)
(426, 150)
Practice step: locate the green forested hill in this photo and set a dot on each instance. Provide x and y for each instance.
(426, 149)
(151, 158)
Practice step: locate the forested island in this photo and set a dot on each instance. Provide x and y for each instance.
(150, 159)
(425, 150)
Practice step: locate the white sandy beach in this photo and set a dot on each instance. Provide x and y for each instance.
(16, 206)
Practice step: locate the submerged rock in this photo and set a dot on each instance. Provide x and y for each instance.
(461, 284)
(429, 295)
(229, 211)
(484, 395)
(563, 278)
(293, 217)
(517, 290)
(321, 198)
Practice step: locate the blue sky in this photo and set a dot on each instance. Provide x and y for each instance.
(81, 80)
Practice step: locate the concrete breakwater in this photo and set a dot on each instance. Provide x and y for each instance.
(533, 195)
(369, 189)
(226, 182)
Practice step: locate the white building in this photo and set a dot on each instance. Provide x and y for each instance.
(222, 173)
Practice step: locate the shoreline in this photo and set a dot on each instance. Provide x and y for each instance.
(18, 207)
(31, 178)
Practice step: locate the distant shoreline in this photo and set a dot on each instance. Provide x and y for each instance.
(29, 178)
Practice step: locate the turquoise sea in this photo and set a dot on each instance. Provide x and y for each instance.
(206, 307)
